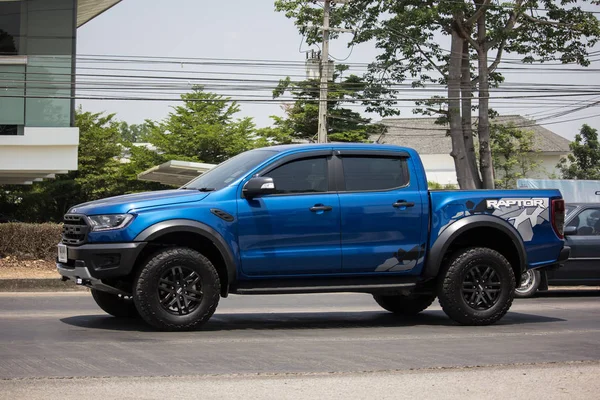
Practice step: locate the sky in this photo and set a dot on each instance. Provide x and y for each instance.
(244, 29)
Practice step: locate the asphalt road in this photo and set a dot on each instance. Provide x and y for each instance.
(65, 335)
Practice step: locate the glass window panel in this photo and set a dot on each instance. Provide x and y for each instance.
(48, 91)
(374, 173)
(12, 90)
(302, 176)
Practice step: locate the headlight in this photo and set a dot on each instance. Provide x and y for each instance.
(109, 222)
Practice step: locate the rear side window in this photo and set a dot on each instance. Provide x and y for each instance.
(374, 173)
(301, 176)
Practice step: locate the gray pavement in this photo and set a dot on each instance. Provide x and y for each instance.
(51, 336)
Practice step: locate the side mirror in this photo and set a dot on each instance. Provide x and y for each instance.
(258, 186)
(570, 230)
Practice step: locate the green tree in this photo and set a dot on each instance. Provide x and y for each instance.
(584, 161)
(514, 154)
(407, 35)
(134, 133)
(203, 129)
(343, 124)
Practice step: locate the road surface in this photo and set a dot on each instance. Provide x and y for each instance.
(337, 342)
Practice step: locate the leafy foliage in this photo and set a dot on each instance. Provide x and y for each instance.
(584, 162)
(343, 124)
(513, 153)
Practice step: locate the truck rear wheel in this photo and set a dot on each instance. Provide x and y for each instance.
(405, 305)
(477, 286)
(115, 304)
(177, 289)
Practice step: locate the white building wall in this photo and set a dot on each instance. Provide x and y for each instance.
(38, 153)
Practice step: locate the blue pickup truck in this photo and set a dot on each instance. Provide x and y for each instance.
(311, 219)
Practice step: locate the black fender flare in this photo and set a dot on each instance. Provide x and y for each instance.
(186, 225)
(451, 233)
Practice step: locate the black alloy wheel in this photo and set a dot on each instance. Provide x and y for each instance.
(481, 287)
(180, 290)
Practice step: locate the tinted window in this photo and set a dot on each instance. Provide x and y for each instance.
(374, 173)
(587, 222)
(301, 176)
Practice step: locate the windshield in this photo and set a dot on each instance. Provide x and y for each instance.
(228, 171)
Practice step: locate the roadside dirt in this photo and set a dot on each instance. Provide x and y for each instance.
(11, 268)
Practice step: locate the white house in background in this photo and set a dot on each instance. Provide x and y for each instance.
(434, 146)
(38, 137)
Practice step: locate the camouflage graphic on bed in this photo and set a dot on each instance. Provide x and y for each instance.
(523, 213)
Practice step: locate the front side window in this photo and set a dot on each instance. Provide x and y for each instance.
(301, 176)
(374, 173)
(587, 222)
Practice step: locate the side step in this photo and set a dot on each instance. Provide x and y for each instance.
(329, 285)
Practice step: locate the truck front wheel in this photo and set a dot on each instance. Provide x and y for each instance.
(405, 305)
(177, 289)
(477, 286)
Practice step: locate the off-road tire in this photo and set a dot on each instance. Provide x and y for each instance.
(529, 284)
(116, 305)
(405, 305)
(451, 279)
(146, 289)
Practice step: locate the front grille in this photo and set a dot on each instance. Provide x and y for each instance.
(75, 229)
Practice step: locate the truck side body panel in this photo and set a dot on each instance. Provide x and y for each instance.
(528, 211)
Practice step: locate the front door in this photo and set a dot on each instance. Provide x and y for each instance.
(297, 230)
(382, 211)
(584, 261)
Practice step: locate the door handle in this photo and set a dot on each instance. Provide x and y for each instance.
(320, 207)
(402, 203)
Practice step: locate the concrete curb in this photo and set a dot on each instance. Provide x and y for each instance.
(38, 285)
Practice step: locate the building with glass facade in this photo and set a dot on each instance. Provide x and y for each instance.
(37, 86)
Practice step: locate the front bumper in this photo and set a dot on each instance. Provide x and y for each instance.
(100, 261)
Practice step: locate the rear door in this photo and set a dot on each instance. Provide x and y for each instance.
(381, 213)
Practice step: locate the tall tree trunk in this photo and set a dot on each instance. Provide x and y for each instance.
(467, 130)
(483, 130)
(463, 173)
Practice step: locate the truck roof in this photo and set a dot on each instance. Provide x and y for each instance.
(322, 146)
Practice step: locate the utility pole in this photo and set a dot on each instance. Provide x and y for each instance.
(322, 131)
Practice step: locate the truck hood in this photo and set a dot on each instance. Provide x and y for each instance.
(128, 202)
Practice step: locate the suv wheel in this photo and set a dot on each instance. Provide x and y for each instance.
(530, 282)
(115, 304)
(405, 305)
(477, 286)
(177, 289)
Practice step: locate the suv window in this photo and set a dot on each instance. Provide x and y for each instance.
(374, 173)
(587, 222)
(301, 176)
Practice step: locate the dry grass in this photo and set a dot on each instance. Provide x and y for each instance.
(29, 241)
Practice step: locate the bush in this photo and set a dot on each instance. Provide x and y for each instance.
(29, 241)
